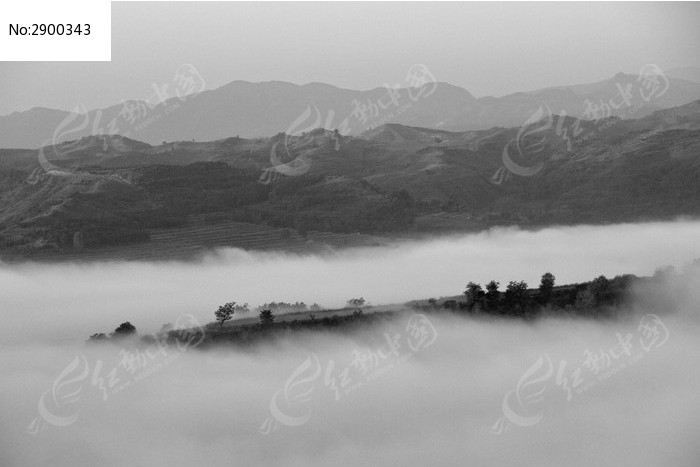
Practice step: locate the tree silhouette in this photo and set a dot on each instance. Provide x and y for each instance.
(546, 287)
(266, 318)
(225, 312)
(516, 295)
(124, 329)
(595, 294)
(474, 292)
(492, 294)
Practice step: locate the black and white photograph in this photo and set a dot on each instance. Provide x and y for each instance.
(343, 234)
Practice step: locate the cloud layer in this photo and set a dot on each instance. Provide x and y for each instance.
(435, 405)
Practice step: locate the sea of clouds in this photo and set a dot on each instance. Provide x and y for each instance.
(462, 391)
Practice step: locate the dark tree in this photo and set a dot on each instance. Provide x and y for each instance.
(124, 329)
(225, 312)
(595, 294)
(266, 318)
(473, 293)
(546, 287)
(516, 295)
(492, 295)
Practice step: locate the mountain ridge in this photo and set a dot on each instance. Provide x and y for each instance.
(251, 110)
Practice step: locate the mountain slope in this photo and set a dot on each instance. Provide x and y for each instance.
(391, 180)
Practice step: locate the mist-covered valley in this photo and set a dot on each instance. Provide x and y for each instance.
(415, 388)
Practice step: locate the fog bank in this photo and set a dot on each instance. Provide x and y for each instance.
(468, 392)
(439, 406)
(73, 301)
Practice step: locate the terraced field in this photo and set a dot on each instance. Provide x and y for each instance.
(199, 238)
(446, 221)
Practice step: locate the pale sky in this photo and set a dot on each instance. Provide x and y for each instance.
(487, 48)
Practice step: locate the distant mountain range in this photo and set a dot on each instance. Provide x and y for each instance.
(392, 180)
(251, 110)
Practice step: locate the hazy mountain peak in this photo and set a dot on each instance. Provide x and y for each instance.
(252, 110)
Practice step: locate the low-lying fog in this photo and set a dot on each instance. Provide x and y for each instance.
(472, 392)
